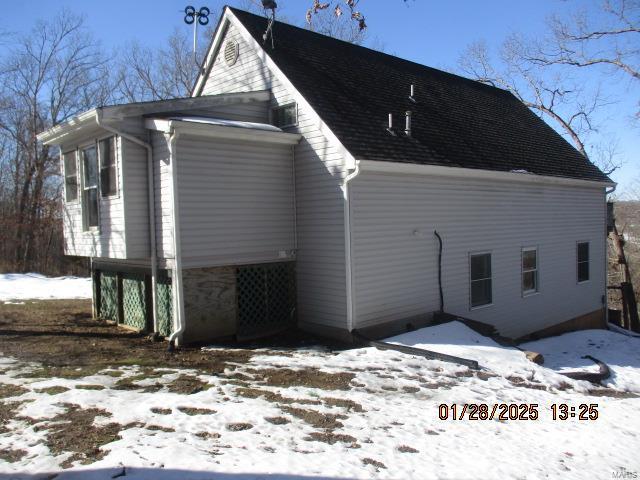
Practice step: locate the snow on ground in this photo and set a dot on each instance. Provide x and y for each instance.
(384, 423)
(22, 286)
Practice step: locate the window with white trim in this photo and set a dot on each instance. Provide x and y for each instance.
(480, 279)
(285, 116)
(582, 255)
(90, 187)
(529, 270)
(108, 173)
(70, 176)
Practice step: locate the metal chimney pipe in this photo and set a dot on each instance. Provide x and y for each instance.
(407, 126)
(390, 121)
(411, 94)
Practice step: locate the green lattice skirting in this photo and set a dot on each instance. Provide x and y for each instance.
(164, 304)
(108, 296)
(134, 304)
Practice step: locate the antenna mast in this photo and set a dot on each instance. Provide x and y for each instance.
(269, 5)
(190, 17)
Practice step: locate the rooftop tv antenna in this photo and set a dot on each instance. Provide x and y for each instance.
(269, 5)
(195, 17)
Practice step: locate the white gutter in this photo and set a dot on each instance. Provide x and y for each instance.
(347, 245)
(458, 172)
(151, 211)
(178, 304)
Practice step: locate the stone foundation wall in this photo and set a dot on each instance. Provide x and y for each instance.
(210, 305)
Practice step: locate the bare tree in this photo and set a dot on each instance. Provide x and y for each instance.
(610, 41)
(563, 100)
(50, 74)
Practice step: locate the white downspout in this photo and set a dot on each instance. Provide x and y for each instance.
(178, 304)
(347, 244)
(151, 211)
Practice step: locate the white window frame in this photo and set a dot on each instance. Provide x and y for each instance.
(64, 175)
(536, 290)
(588, 262)
(116, 166)
(85, 227)
(282, 107)
(476, 254)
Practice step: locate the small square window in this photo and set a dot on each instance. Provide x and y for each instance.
(285, 116)
(480, 279)
(583, 261)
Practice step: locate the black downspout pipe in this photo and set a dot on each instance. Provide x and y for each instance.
(435, 232)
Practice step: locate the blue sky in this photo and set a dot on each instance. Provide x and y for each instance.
(432, 32)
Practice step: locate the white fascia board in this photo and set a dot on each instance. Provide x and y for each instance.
(212, 52)
(457, 172)
(230, 18)
(223, 132)
(55, 135)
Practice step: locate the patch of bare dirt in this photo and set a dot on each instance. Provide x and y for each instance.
(207, 435)
(238, 427)
(8, 390)
(161, 411)
(277, 420)
(608, 392)
(328, 421)
(8, 411)
(375, 463)
(74, 431)
(349, 405)
(159, 428)
(331, 438)
(408, 389)
(306, 377)
(407, 449)
(11, 456)
(272, 396)
(187, 385)
(55, 390)
(196, 411)
(90, 387)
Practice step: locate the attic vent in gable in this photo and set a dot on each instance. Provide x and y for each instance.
(231, 50)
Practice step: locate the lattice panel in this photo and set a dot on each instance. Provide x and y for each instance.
(266, 298)
(108, 296)
(134, 301)
(164, 303)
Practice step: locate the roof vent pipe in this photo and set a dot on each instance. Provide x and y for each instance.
(411, 94)
(407, 126)
(390, 127)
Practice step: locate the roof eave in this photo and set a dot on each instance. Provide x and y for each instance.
(54, 135)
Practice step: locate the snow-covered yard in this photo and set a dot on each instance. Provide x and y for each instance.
(23, 286)
(319, 413)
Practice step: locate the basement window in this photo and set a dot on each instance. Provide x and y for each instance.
(70, 176)
(480, 279)
(583, 261)
(90, 187)
(529, 271)
(108, 173)
(285, 116)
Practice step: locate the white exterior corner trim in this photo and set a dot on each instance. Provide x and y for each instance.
(220, 131)
(457, 172)
(230, 18)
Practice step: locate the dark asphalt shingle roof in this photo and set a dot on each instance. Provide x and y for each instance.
(456, 121)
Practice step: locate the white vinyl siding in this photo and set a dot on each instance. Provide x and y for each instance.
(136, 195)
(163, 197)
(319, 173)
(235, 200)
(396, 254)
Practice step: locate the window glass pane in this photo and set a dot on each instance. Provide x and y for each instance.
(480, 266)
(529, 281)
(529, 259)
(107, 152)
(71, 188)
(91, 204)
(70, 166)
(480, 292)
(583, 271)
(583, 252)
(90, 166)
(108, 181)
